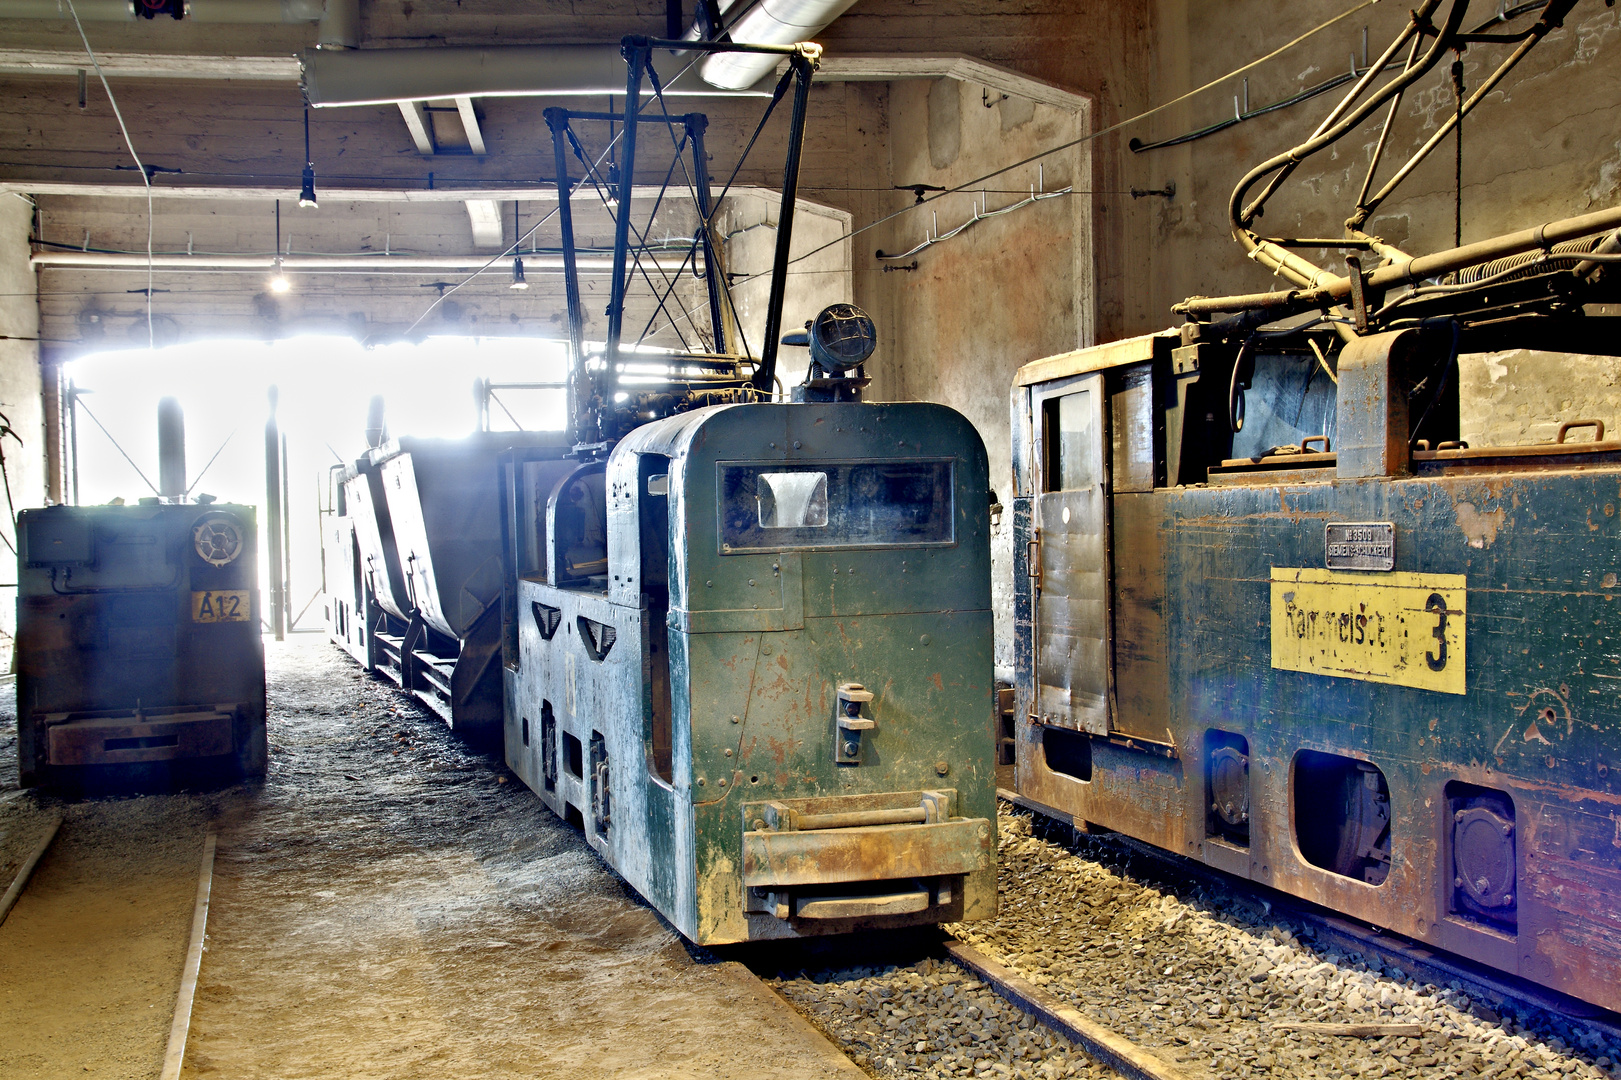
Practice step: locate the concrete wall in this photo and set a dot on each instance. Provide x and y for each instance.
(20, 397)
(959, 317)
(1545, 145)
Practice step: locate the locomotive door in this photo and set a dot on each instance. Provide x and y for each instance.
(1073, 649)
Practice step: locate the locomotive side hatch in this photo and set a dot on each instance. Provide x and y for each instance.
(1072, 560)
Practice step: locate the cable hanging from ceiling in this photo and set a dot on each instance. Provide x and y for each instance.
(146, 177)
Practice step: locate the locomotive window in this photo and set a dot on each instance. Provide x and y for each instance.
(769, 507)
(1072, 444)
(792, 500)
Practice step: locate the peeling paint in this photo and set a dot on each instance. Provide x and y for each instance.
(1479, 529)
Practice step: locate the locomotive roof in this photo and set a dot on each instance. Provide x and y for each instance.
(1112, 354)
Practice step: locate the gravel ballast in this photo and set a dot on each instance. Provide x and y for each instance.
(1211, 982)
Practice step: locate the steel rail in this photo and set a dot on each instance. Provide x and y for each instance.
(175, 1055)
(1102, 1044)
(26, 870)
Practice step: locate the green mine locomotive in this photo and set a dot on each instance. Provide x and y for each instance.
(749, 654)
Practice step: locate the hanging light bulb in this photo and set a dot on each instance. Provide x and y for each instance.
(278, 280)
(518, 280)
(306, 193)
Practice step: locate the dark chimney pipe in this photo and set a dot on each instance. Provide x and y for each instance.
(171, 450)
(376, 427)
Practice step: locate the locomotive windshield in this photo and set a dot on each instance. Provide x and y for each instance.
(779, 505)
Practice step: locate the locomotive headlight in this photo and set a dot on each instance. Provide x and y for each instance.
(842, 336)
(217, 538)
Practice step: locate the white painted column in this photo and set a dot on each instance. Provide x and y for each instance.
(20, 396)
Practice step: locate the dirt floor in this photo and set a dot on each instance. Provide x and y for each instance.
(387, 903)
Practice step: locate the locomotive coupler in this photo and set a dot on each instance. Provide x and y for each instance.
(850, 723)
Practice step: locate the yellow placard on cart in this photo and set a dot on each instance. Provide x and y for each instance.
(1401, 628)
(212, 605)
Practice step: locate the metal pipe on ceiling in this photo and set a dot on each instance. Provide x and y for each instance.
(390, 76)
(770, 22)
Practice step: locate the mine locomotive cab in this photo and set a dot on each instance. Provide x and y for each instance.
(752, 662)
(1274, 615)
(138, 652)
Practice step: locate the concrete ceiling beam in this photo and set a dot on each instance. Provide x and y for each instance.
(127, 65)
(485, 216)
(475, 137)
(416, 122)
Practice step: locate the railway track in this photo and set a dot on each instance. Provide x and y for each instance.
(1100, 945)
(93, 941)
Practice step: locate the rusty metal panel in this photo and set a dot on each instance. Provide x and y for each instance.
(1137, 431)
(1072, 590)
(1141, 645)
(884, 852)
(150, 737)
(1371, 432)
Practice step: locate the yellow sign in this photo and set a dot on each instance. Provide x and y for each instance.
(229, 605)
(1401, 628)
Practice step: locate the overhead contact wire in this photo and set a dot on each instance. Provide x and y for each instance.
(1091, 136)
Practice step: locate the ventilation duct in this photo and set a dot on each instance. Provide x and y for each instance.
(771, 22)
(390, 76)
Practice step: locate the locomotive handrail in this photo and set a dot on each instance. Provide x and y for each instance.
(856, 818)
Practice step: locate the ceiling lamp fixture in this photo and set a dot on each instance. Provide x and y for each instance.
(278, 280)
(518, 280)
(306, 194)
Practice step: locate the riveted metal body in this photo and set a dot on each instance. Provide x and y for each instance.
(1428, 748)
(138, 650)
(678, 682)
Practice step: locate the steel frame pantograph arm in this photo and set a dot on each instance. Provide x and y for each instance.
(633, 380)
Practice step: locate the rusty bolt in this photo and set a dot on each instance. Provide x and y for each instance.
(1457, 882)
(941, 767)
(759, 824)
(728, 751)
(1508, 898)
(1458, 816)
(700, 781)
(737, 719)
(1508, 828)
(722, 782)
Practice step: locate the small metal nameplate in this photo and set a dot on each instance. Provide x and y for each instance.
(1361, 545)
